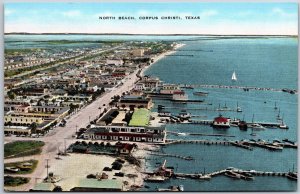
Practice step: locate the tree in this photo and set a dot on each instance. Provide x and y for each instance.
(11, 95)
(33, 127)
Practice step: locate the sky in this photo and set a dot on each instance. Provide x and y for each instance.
(215, 18)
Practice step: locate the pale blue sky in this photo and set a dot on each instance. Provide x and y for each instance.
(216, 18)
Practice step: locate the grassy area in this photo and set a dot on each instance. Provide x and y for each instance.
(24, 167)
(10, 181)
(23, 148)
(19, 51)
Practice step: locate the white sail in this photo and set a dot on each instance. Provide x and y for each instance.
(233, 78)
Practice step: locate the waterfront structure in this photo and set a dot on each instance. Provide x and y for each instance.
(139, 129)
(135, 102)
(221, 121)
(169, 89)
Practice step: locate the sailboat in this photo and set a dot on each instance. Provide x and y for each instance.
(238, 109)
(282, 125)
(233, 77)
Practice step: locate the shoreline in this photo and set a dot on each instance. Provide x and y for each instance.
(156, 58)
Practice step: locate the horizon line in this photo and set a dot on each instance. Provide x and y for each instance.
(168, 34)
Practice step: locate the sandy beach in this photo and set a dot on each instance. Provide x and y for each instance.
(85, 164)
(158, 57)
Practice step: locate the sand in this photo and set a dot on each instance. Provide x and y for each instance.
(77, 166)
(158, 57)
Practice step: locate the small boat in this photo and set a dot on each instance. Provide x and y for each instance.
(205, 177)
(184, 115)
(292, 176)
(155, 179)
(200, 93)
(181, 178)
(256, 126)
(275, 107)
(238, 109)
(233, 175)
(181, 134)
(242, 125)
(181, 188)
(233, 77)
(282, 125)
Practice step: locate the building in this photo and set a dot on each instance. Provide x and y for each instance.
(138, 52)
(135, 102)
(124, 133)
(221, 122)
(179, 95)
(170, 89)
(124, 148)
(92, 185)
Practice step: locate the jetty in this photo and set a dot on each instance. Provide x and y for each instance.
(173, 155)
(235, 173)
(245, 88)
(241, 144)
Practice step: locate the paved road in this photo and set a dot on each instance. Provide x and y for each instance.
(62, 135)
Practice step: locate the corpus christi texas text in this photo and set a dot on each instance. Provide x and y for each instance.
(148, 17)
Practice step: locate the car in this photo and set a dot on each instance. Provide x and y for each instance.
(23, 135)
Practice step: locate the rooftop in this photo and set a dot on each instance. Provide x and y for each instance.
(100, 184)
(140, 117)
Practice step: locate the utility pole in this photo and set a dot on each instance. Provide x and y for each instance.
(47, 167)
(76, 129)
(65, 146)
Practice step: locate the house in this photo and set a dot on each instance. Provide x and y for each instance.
(221, 122)
(124, 148)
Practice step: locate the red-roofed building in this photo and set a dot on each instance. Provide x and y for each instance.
(221, 121)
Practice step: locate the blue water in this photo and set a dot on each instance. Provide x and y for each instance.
(257, 62)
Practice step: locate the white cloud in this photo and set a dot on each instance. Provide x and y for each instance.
(282, 13)
(9, 11)
(71, 13)
(208, 13)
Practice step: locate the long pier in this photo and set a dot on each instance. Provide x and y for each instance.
(245, 88)
(240, 144)
(244, 174)
(172, 155)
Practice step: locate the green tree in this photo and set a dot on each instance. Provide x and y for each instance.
(11, 95)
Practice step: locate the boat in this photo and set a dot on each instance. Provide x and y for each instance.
(205, 177)
(181, 178)
(255, 125)
(233, 77)
(243, 125)
(200, 93)
(181, 134)
(282, 125)
(155, 179)
(292, 176)
(238, 109)
(225, 108)
(184, 115)
(181, 188)
(232, 175)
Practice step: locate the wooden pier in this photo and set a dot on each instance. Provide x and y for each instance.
(172, 155)
(241, 144)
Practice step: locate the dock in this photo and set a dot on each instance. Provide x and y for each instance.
(172, 155)
(241, 144)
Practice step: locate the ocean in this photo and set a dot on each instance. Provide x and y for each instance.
(258, 62)
(269, 62)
